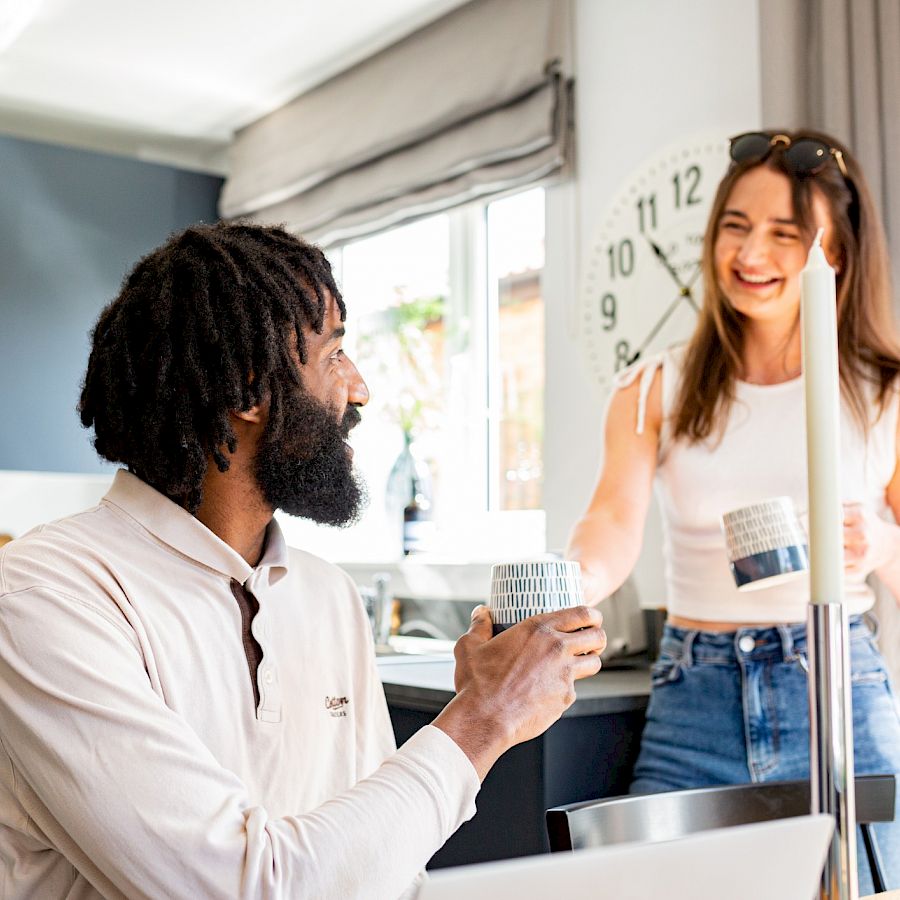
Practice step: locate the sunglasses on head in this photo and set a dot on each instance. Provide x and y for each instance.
(802, 156)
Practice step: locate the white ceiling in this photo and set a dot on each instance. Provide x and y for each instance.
(170, 80)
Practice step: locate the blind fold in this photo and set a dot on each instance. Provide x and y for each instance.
(474, 104)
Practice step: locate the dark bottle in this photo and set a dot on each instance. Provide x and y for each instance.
(418, 526)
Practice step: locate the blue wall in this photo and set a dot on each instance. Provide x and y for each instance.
(72, 223)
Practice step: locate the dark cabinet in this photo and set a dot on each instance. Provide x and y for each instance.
(588, 753)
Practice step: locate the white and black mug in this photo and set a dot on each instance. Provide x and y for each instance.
(766, 543)
(523, 589)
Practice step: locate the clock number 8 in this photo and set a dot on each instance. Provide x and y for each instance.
(623, 355)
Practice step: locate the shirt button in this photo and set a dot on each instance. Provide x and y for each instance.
(268, 677)
(747, 643)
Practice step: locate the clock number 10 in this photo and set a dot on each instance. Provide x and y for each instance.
(621, 258)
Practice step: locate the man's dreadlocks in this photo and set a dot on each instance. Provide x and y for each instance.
(199, 329)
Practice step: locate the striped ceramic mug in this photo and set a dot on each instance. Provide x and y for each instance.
(766, 543)
(528, 588)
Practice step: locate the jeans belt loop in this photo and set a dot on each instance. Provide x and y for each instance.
(787, 643)
(870, 619)
(687, 649)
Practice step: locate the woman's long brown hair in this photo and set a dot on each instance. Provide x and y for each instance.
(868, 349)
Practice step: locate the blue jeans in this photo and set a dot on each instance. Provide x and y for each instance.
(732, 708)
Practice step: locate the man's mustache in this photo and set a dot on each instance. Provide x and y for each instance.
(351, 419)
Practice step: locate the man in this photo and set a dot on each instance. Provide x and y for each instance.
(187, 707)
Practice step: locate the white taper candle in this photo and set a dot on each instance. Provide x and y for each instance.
(818, 315)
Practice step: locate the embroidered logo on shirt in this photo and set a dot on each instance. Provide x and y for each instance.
(337, 706)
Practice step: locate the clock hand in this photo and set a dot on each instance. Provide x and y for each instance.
(688, 295)
(655, 330)
(685, 291)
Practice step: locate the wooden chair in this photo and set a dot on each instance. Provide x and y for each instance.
(663, 817)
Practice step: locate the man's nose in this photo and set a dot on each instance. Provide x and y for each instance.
(358, 392)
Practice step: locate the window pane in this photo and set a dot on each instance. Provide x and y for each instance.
(515, 262)
(396, 285)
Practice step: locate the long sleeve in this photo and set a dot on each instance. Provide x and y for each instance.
(100, 769)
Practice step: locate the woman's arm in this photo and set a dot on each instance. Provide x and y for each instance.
(872, 543)
(607, 539)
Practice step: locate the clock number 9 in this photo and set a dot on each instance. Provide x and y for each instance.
(608, 311)
(621, 258)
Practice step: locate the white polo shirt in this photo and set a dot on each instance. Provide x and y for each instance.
(134, 761)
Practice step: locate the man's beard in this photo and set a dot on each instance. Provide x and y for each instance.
(306, 470)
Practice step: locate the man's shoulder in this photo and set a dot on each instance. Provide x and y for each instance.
(53, 552)
(315, 568)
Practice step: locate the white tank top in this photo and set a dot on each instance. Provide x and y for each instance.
(762, 454)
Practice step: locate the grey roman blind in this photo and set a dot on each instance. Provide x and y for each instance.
(474, 104)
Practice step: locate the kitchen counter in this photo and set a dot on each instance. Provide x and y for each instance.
(588, 753)
(425, 683)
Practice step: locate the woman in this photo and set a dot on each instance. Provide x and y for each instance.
(719, 424)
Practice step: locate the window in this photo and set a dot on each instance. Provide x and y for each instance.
(515, 260)
(445, 320)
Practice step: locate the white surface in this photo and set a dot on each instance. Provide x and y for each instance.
(33, 498)
(183, 76)
(649, 73)
(779, 860)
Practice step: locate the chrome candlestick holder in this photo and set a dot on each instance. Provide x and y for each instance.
(832, 788)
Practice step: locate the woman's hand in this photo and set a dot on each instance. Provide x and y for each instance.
(595, 586)
(869, 541)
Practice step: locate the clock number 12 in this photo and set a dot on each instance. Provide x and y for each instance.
(686, 187)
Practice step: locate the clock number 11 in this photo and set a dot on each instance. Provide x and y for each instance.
(646, 208)
(685, 189)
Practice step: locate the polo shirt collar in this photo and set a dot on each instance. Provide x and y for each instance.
(188, 536)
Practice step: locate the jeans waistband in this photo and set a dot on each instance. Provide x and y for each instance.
(779, 641)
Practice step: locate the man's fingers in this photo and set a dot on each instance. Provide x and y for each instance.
(588, 640)
(481, 625)
(585, 666)
(480, 632)
(571, 619)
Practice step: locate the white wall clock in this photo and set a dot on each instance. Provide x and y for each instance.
(641, 288)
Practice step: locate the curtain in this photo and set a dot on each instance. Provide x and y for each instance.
(474, 104)
(835, 65)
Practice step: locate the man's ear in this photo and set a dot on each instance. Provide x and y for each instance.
(255, 415)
